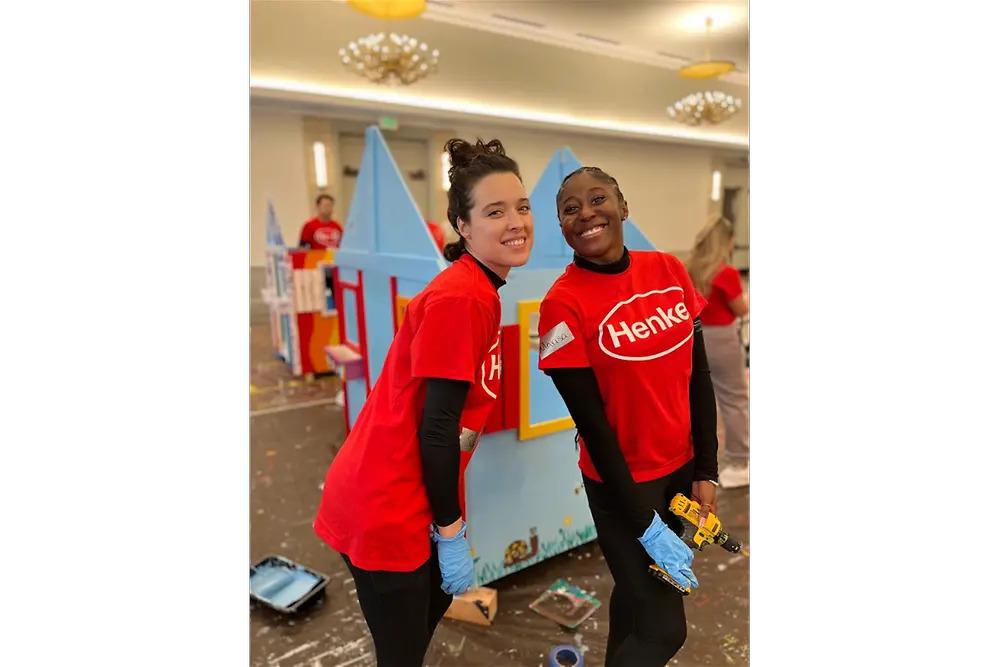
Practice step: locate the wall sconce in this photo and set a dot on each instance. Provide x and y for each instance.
(716, 185)
(445, 166)
(319, 160)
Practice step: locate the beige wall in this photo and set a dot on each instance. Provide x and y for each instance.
(667, 186)
(279, 172)
(739, 177)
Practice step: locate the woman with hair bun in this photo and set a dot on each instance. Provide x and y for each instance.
(390, 503)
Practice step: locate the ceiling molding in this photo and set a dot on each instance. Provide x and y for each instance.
(394, 101)
(519, 29)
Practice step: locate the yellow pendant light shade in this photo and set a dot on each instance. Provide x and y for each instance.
(707, 69)
(390, 9)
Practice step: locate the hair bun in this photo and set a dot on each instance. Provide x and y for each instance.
(462, 153)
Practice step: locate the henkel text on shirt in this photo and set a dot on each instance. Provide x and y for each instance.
(646, 326)
(492, 378)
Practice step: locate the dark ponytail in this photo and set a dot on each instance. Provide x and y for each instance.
(454, 250)
(469, 164)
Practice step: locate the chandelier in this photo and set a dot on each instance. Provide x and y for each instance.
(391, 58)
(712, 106)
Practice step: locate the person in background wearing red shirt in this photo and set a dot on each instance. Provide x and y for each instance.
(390, 501)
(621, 340)
(727, 302)
(436, 234)
(322, 231)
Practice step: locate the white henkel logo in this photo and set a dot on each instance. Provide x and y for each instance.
(645, 322)
(327, 236)
(496, 367)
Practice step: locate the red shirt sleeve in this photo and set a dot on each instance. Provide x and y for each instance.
(728, 282)
(693, 299)
(561, 343)
(305, 236)
(451, 339)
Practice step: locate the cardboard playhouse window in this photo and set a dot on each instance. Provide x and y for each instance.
(328, 300)
(350, 317)
(542, 410)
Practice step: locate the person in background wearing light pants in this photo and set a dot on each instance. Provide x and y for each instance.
(719, 281)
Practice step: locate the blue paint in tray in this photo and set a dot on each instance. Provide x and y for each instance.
(284, 585)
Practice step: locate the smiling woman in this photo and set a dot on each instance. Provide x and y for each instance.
(390, 500)
(488, 206)
(592, 211)
(621, 340)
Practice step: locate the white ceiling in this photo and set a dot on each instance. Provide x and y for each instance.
(501, 68)
(669, 33)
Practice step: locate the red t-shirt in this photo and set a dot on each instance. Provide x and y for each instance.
(318, 234)
(374, 506)
(436, 234)
(635, 330)
(726, 286)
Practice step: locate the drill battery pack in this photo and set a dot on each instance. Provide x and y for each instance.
(695, 536)
(662, 575)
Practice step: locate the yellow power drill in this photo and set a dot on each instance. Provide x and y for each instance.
(710, 533)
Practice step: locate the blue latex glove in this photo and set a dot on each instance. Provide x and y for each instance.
(455, 559)
(669, 551)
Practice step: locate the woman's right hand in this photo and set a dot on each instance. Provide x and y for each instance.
(669, 551)
(455, 559)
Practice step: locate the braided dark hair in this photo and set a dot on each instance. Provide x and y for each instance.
(469, 164)
(597, 173)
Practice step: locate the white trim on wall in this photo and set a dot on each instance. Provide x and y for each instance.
(394, 101)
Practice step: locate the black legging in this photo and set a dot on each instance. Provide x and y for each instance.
(402, 610)
(647, 616)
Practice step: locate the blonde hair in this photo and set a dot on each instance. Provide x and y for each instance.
(711, 250)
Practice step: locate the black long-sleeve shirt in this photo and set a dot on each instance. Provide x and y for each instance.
(582, 395)
(439, 437)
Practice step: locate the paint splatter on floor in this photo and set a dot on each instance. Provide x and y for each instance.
(333, 631)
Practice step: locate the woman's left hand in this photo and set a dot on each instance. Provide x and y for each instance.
(703, 493)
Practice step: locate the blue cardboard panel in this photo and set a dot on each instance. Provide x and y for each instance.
(634, 238)
(524, 284)
(544, 403)
(378, 320)
(526, 500)
(409, 288)
(273, 230)
(286, 335)
(384, 226)
(550, 250)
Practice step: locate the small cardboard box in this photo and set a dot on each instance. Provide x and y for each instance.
(478, 605)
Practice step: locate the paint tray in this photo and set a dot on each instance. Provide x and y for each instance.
(284, 585)
(565, 604)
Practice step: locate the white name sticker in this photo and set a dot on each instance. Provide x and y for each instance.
(557, 336)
